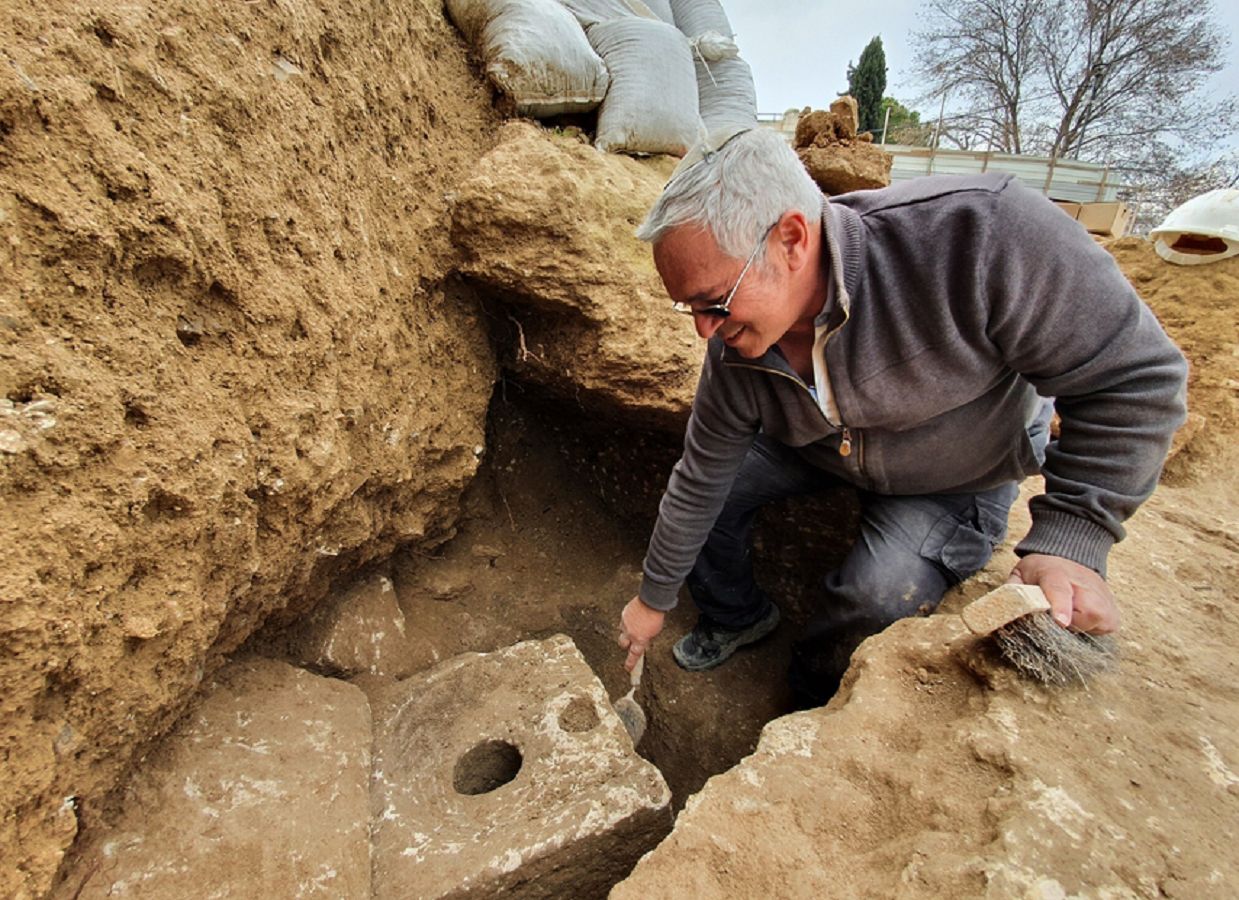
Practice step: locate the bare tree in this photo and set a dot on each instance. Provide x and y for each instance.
(1117, 82)
(981, 53)
(1124, 72)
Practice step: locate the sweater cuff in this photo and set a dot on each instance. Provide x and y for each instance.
(658, 596)
(1056, 533)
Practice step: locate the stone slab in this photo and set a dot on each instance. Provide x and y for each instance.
(555, 800)
(362, 631)
(261, 792)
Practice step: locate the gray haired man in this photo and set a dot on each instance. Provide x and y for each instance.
(913, 342)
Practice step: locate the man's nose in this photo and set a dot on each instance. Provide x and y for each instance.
(707, 325)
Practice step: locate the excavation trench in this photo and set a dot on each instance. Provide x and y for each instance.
(549, 541)
(552, 540)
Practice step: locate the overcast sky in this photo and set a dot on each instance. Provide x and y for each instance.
(799, 49)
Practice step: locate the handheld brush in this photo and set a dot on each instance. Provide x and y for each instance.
(1017, 618)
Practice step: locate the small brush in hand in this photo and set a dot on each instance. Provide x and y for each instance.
(1017, 617)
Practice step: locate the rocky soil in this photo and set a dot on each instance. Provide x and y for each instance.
(233, 359)
(838, 158)
(277, 287)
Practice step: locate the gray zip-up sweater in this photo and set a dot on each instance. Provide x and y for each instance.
(965, 302)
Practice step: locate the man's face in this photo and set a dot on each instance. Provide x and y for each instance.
(696, 272)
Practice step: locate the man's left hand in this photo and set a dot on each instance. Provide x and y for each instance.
(1079, 597)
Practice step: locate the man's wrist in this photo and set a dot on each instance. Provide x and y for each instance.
(1058, 533)
(661, 598)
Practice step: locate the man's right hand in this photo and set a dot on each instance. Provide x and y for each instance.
(639, 624)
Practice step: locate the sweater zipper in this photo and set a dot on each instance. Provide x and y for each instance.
(847, 437)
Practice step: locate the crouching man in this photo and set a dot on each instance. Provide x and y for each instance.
(913, 342)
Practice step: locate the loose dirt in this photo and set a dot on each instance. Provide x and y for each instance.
(1199, 307)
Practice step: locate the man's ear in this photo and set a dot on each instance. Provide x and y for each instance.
(795, 236)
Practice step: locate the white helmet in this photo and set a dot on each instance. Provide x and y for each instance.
(1202, 230)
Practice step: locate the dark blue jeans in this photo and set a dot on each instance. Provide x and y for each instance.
(908, 552)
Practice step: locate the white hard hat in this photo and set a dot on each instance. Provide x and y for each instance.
(1204, 229)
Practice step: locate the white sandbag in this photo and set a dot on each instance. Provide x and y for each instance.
(726, 97)
(535, 52)
(591, 12)
(652, 104)
(696, 17)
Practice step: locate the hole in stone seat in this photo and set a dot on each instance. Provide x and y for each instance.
(487, 766)
(579, 716)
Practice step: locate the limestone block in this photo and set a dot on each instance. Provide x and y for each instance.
(261, 792)
(545, 226)
(363, 631)
(847, 110)
(508, 772)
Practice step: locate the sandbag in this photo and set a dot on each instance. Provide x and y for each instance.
(662, 9)
(535, 53)
(652, 104)
(591, 12)
(696, 17)
(726, 97)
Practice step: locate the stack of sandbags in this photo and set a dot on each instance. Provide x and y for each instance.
(535, 53)
(726, 97)
(666, 72)
(652, 104)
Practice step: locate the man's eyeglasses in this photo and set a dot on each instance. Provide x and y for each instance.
(723, 310)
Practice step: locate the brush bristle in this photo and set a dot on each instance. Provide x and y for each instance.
(1045, 651)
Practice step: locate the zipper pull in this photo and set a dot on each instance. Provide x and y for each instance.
(845, 445)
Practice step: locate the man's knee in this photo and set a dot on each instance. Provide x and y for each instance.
(860, 600)
(884, 589)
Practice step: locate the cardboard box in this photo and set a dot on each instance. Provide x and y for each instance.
(1109, 219)
(1070, 208)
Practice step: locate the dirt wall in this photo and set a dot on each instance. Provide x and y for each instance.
(230, 364)
(1196, 306)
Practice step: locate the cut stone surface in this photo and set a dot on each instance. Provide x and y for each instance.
(510, 773)
(261, 792)
(363, 632)
(1003, 606)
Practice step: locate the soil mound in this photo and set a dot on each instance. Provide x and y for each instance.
(224, 244)
(1199, 307)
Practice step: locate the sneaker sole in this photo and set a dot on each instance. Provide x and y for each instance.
(751, 635)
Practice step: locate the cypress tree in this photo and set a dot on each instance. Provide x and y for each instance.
(867, 83)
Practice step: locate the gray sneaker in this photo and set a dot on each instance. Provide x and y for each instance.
(710, 644)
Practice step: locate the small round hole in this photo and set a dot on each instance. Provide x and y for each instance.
(578, 716)
(487, 766)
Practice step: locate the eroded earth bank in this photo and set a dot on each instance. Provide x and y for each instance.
(300, 342)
